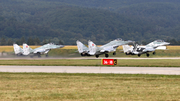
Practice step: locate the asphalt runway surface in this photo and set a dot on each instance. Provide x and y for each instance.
(91, 69)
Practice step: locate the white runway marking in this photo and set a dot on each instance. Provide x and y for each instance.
(93, 69)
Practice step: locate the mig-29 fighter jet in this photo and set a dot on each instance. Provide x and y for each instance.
(40, 50)
(138, 50)
(94, 50)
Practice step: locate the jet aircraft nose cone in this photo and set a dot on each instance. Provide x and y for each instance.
(166, 43)
(61, 46)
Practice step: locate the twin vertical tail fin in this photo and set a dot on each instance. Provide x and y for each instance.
(81, 47)
(18, 50)
(127, 48)
(92, 48)
(27, 50)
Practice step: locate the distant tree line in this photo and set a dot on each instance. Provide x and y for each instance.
(41, 22)
(36, 41)
(30, 41)
(173, 41)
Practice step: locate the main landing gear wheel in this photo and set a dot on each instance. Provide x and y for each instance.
(106, 55)
(47, 55)
(114, 53)
(139, 55)
(97, 56)
(147, 55)
(154, 53)
(39, 55)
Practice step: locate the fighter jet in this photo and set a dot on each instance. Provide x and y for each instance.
(138, 50)
(40, 50)
(18, 50)
(94, 50)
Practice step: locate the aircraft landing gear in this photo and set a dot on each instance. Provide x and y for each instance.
(139, 55)
(154, 53)
(114, 53)
(97, 56)
(39, 55)
(47, 55)
(147, 55)
(106, 55)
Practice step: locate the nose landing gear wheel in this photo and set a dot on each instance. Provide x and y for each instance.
(114, 53)
(147, 55)
(97, 56)
(106, 55)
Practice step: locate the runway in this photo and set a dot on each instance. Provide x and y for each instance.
(45, 58)
(93, 69)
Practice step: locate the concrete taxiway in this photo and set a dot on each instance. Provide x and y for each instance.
(89, 69)
(44, 58)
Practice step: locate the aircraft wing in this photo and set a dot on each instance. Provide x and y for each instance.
(42, 51)
(108, 49)
(149, 49)
(46, 48)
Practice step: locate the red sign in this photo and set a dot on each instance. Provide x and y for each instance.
(109, 61)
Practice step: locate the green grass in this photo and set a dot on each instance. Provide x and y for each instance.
(88, 87)
(95, 62)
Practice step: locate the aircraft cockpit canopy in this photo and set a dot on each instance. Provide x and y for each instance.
(118, 39)
(51, 43)
(159, 41)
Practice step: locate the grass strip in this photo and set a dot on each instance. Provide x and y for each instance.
(94, 62)
(88, 87)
